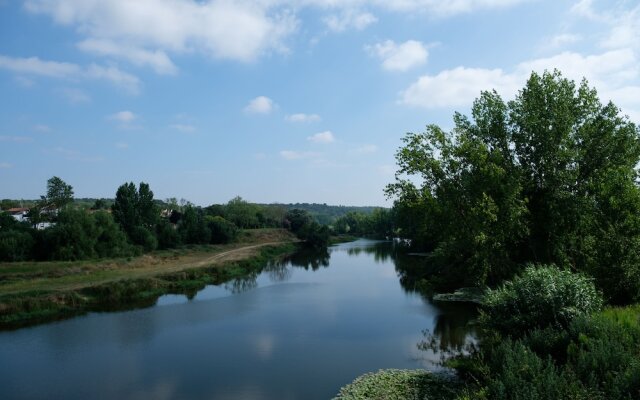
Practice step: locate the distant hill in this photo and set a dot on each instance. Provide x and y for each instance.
(324, 213)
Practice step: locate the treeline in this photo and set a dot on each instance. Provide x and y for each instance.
(378, 224)
(134, 222)
(538, 198)
(548, 178)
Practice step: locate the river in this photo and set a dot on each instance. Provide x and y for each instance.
(300, 329)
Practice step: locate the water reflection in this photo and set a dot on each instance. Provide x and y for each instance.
(454, 327)
(344, 308)
(281, 271)
(453, 331)
(242, 284)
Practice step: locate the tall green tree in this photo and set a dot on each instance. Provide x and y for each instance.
(137, 214)
(549, 177)
(59, 193)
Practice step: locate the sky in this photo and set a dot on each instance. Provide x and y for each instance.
(274, 100)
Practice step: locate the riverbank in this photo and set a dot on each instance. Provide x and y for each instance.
(401, 384)
(36, 292)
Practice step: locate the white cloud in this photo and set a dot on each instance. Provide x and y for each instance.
(303, 117)
(184, 128)
(124, 117)
(349, 19)
(445, 8)
(457, 87)
(399, 57)
(436, 8)
(125, 80)
(69, 71)
(75, 96)
(25, 82)
(41, 128)
(73, 155)
(322, 137)
(297, 155)
(144, 31)
(5, 165)
(16, 139)
(613, 73)
(563, 40)
(367, 149)
(157, 60)
(260, 105)
(36, 66)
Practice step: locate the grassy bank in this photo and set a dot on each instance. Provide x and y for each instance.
(32, 293)
(394, 384)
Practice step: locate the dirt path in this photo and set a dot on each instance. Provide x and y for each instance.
(145, 267)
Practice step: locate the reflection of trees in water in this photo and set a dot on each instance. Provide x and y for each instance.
(278, 271)
(309, 258)
(242, 284)
(453, 328)
(381, 251)
(453, 333)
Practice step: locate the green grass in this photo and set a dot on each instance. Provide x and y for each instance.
(31, 307)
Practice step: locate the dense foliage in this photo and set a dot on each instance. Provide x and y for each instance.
(379, 224)
(538, 298)
(596, 356)
(136, 222)
(306, 228)
(548, 178)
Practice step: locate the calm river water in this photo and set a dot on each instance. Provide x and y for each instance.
(300, 329)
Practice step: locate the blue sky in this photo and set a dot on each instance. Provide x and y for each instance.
(273, 100)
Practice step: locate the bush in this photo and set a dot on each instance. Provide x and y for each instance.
(15, 245)
(518, 373)
(111, 239)
(168, 237)
(605, 352)
(540, 297)
(141, 236)
(73, 237)
(222, 231)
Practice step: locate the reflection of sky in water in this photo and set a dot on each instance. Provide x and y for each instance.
(299, 329)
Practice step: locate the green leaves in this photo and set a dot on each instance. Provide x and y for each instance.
(541, 296)
(545, 178)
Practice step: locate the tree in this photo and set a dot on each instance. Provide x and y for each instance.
(137, 213)
(125, 207)
(546, 178)
(242, 213)
(193, 226)
(59, 193)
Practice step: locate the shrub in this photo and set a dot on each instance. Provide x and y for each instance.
(15, 245)
(541, 296)
(168, 237)
(143, 237)
(605, 352)
(520, 374)
(222, 231)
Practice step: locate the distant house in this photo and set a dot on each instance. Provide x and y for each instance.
(19, 213)
(44, 225)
